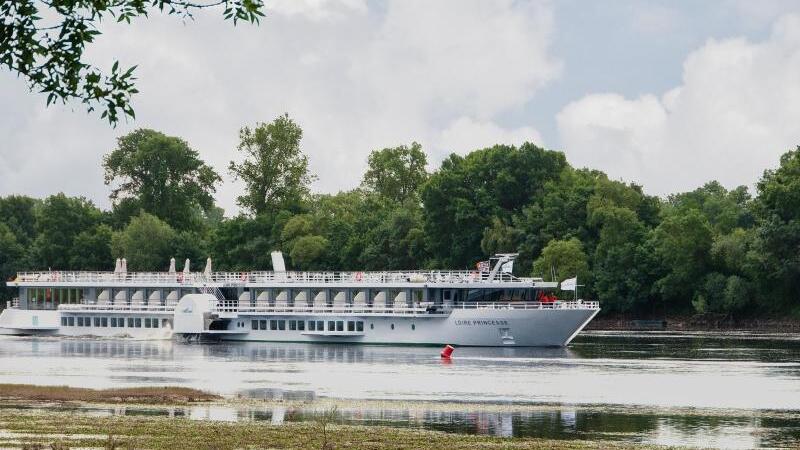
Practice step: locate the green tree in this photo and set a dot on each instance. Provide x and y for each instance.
(161, 175)
(467, 192)
(499, 237)
(566, 257)
(725, 210)
(682, 243)
(396, 173)
(623, 270)
(778, 235)
(11, 258)
(59, 220)
(18, 213)
(398, 240)
(245, 243)
(44, 41)
(275, 170)
(91, 249)
(147, 243)
(306, 251)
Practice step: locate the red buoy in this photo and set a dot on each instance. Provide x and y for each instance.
(447, 351)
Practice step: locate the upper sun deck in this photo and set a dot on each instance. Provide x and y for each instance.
(380, 279)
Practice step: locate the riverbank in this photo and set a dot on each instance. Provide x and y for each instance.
(697, 323)
(165, 395)
(237, 422)
(63, 430)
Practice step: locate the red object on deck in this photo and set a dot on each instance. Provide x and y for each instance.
(447, 351)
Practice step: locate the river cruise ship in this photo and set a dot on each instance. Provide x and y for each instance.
(485, 307)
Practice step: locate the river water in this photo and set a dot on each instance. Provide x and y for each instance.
(723, 390)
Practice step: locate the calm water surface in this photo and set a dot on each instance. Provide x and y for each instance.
(744, 390)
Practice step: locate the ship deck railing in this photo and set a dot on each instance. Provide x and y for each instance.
(85, 307)
(232, 306)
(241, 278)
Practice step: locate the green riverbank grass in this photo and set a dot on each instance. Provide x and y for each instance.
(143, 395)
(64, 430)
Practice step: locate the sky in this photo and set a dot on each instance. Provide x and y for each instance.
(668, 95)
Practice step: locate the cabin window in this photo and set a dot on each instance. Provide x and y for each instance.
(273, 325)
(155, 323)
(331, 325)
(254, 324)
(359, 326)
(392, 327)
(351, 325)
(130, 322)
(312, 326)
(446, 294)
(262, 324)
(97, 321)
(104, 322)
(80, 321)
(320, 325)
(147, 322)
(113, 322)
(301, 325)
(292, 325)
(71, 321)
(372, 326)
(413, 327)
(339, 325)
(282, 325)
(138, 322)
(63, 321)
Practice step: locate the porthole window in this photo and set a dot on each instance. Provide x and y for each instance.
(413, 327)
(372, 326)
(393, 326)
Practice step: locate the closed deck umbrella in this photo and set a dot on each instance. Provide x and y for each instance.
(171, 265)
(207, 272)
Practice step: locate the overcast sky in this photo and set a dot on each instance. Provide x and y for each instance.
(667, 94)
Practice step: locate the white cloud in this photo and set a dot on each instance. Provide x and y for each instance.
(356, 77)
(466, 134)
(736, 111)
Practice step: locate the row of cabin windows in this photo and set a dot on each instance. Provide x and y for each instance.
(300, 325)
(113, 322)
(55, 295)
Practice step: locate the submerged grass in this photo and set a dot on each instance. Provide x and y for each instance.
(145, 395)
(69, 430)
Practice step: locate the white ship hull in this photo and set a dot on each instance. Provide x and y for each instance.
(544, 327)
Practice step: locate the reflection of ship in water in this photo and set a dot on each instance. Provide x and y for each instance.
(116, 349)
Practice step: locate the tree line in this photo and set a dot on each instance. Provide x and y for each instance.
(709, 251)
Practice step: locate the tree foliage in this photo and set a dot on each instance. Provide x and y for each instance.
(45, 41)
(274, 169)
(396, 173)
(147, 243)
(161, 175)
(566, 258)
